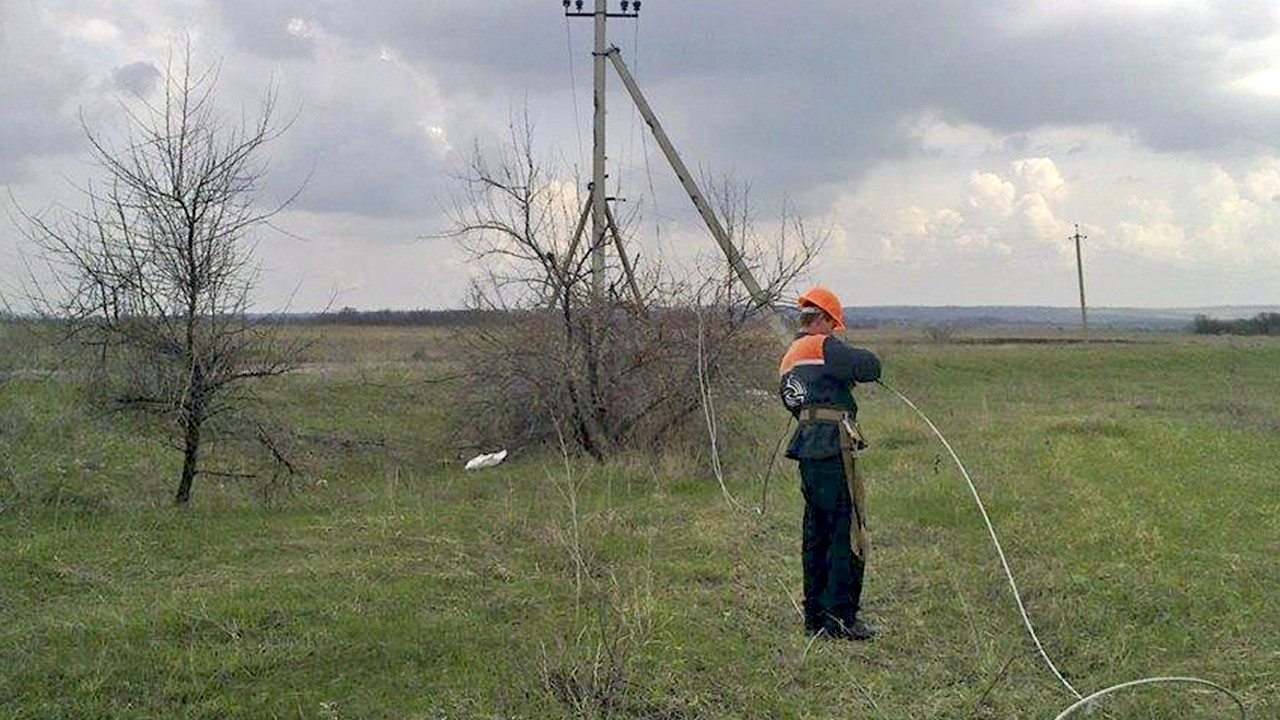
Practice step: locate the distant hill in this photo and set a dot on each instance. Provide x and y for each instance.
(1038, 316)
(955, 316)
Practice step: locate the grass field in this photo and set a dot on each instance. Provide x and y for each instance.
(1135, 485)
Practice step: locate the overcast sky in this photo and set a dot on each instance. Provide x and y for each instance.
(949, 146)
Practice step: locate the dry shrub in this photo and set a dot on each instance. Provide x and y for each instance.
(609, 363)
(634, 384)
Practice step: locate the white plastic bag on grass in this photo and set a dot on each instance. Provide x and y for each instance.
(482, 460)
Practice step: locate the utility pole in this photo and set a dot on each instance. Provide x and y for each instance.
(600, 213)
(599, 206)
(1084, 318)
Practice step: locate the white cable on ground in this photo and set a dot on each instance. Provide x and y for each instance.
(709, 415)
(1085, 701)
(1082, 700)
(1017, 596)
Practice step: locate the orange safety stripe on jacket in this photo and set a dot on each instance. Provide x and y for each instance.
(805, 350)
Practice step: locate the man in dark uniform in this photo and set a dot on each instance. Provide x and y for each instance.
(816, 379)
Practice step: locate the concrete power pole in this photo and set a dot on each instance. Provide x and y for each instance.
(1084, 318)
(599, 203)
(598, 221)
(599, 211)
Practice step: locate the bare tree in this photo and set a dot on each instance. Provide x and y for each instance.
(156, 272)
(7, 360)
(621, 373)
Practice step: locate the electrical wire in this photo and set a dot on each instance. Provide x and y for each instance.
(709, 415)
(644, 143)
(773, 458)
(573, 90)
(1083, 701)
(1087, 701)
(630, 151)
(1017, 596)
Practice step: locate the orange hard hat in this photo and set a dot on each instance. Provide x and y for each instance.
(822, 298)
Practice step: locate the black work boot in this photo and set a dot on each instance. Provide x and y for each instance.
(856, 630)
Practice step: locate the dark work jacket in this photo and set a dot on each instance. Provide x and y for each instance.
(821, 370)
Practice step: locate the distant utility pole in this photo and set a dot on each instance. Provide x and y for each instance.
(1084, 318)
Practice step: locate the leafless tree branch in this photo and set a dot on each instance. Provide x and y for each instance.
(156, 273)
(618, 374)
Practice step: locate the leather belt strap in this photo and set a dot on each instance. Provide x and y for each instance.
(822, 413)
(861, 536)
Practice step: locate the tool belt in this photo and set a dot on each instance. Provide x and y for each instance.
(851, 445)
(822, 413)
(833, 414)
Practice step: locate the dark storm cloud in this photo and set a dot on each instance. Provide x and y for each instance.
(137, 78)
(362, 134)
(1157, 80)
(491, 46)
(361, 165)
(29, 127)
(359, 135)
(801, 95)
(34, 84)
(487, 47)
(262, 28)
(788, 95)
(836, 78)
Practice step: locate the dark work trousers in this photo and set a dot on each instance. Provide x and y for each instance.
(832, 572)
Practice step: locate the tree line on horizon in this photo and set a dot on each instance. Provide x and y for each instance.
(390, 317)
(1265, 323)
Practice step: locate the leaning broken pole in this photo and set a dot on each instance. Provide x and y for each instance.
(731, 253)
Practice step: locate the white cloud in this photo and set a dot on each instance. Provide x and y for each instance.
(334, 264)
(1263, 82)
(988, 191)
(1219, 186)
(1157, 240)
(912, 221)
(1231, 219)
(1255, 67)
(946, 221)
(933, 132)
(1037, 212)
(940, 219)
(1041, 175)
(302, 28)
(1150, 210)
(1264, 184)
(96, 30)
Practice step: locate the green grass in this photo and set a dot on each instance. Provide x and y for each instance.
(1134, 487)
